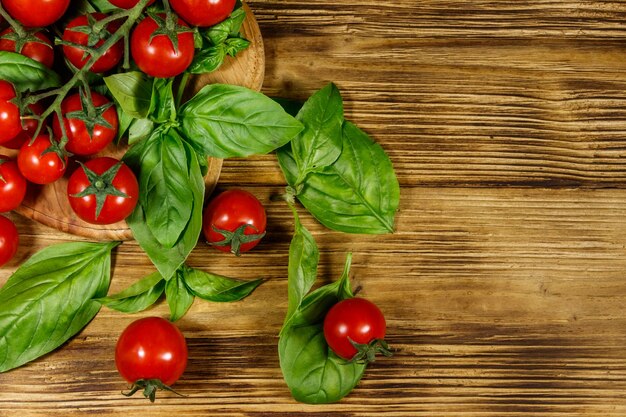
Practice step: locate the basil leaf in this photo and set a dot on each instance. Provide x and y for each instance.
(303, 259)
(168, 260)
(138, 296)
(320, 143)
(140, 129)
(208, 59)
(313, 373)
(227, 121)
(217, 288)
(178, 296)
(25, 73)
(132, 91)
(124, 122)
(359, 193)
(228, 27)
(236, 45)
(165, 190)
(49, 299)
(162, 103)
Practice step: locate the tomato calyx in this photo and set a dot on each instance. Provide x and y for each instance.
(150, 388)
(90, 115)
(22, 39)
(366, 352)
(57, 148)
(237, 238)
(95, 32)
(169, 27)
(101, 186)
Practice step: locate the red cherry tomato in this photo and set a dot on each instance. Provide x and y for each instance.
(10, 123)
(75, 55)
(12, 185)
(79, 140)
(114, 208)
(9, 240)
(157, 56)
(39, 51)
(355, 319)
(151, 350)
(203, 12)
(234, 221)
(127, 4)
(36, 13)
(37, 167)
(29, 127)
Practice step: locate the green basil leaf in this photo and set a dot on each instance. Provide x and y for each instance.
(25, 73)
(140, 129)
(165, 190)
(49, 299)
(320, 143)
(227, 121)
(103, 6)
(313, 373)
(303, 259)
(178, 296)
(236, 45)
(237, 18)
(132, 91)
(162, 103)
(208, 59)
(138, 296)
(359, 193)
(124, 122)
(168, 260)
(230, 26)
(217, 288)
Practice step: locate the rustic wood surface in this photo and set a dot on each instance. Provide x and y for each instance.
(505, 284)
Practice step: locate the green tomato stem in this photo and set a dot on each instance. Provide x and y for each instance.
(15, 25)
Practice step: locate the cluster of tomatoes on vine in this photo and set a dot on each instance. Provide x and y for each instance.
(102, 190)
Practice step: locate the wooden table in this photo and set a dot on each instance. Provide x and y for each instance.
(505, 284)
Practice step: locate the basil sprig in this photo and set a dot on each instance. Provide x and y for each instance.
(180, 291)
(50, 298)
(350, 187)
(312, 371)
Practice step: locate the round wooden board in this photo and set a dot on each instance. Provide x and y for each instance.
(48, 204)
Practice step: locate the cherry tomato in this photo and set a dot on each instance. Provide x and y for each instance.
(12, 185)
(151, 351)
(355, 319)
(75, 55)
(36, 13)
(10, 124)
(80, 142)
(203, 12)
(234, 221)
(37, 167)
(103, 186)
(29, 127)
(127, 4)
(39, 51)
(9, 240)
(157, 56)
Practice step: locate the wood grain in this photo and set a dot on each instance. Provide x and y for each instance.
(48, 204)
(504, 284)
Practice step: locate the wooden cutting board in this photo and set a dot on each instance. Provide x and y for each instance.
(49, 205)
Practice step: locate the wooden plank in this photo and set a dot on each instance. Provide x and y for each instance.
(500, 302)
